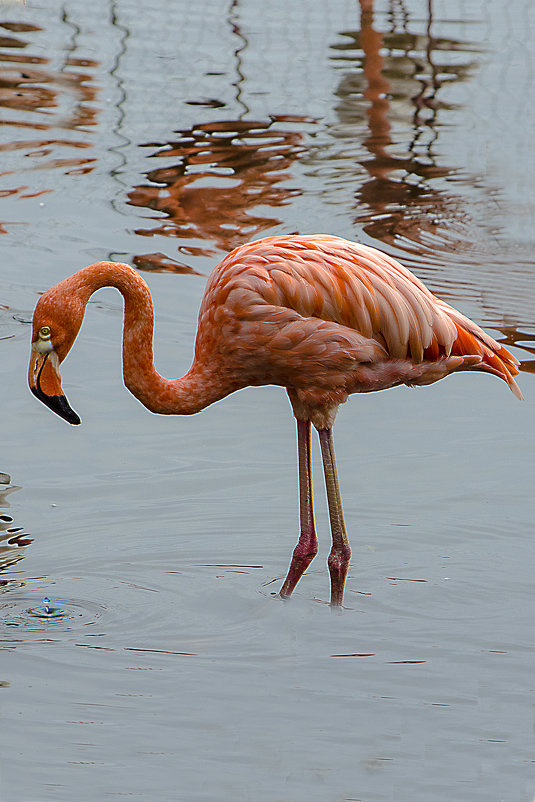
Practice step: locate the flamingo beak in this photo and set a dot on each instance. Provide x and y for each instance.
(45, 383)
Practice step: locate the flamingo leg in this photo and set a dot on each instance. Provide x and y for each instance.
(307, 546)
(340, 553)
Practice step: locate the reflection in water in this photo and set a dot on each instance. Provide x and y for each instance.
(398, 202)
(160, 263)
(37, 99)
(13, 539)
(218, 174)
(520, 339)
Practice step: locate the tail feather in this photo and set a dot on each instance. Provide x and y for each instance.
(494, 357)
(471, 340)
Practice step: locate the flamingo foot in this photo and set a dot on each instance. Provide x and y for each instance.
(302, 556)
(338, 563)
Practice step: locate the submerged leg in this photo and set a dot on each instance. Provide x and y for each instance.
(307, 547)
(338, 561)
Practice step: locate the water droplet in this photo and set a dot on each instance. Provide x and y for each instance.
(48, 614)
(47, 611)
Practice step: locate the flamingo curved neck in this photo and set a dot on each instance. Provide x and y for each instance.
(183, 396)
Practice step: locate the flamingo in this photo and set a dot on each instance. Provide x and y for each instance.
(318, 315)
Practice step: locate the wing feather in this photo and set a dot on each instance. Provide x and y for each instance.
(291, 280)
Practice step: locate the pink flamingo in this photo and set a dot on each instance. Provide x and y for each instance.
(318, 315)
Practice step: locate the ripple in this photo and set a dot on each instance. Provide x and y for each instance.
(31, 613)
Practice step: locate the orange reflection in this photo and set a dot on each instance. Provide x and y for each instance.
(389, 107)
(13, 539)
(406, 206)
(37, 99)
(160, 263)
(519, 339)
(219, 173)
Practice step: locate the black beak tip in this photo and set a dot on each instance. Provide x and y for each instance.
(59, 405)
(71, 416)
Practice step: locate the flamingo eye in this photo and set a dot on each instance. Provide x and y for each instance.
(44, 332)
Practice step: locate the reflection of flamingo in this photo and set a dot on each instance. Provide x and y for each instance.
(222, 173)
(399, 203)
(318, 315)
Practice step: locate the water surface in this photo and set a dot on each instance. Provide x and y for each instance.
(145, 653)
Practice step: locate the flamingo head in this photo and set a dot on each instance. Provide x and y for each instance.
(56, 321)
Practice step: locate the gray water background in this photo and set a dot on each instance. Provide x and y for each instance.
(164, 666)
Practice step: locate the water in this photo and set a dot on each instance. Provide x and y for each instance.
(144, 650)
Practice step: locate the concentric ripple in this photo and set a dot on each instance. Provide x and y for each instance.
(29, 613)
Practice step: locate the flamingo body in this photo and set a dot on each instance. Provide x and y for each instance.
(319, 315)
(325, 318)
